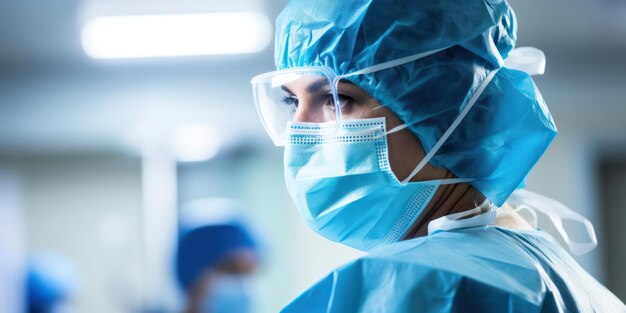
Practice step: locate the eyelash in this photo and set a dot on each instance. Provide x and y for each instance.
(293, 100)
(290, 101)
(343, 99)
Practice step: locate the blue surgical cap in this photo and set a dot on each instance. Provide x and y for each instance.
(506, 131)
(211, 231)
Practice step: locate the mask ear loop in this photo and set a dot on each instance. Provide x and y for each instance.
(452, 127)
(393, 130)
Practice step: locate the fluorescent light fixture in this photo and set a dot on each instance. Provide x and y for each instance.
(147, 36)
(196, 142)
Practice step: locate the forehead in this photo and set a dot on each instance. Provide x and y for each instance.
(314, 83)
(309, 83)
(239, 262)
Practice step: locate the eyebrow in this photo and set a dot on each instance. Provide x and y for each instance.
(316, 86)
(312, 88)
(283, 87)
(347, 82)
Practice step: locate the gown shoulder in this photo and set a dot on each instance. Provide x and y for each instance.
(485, 269)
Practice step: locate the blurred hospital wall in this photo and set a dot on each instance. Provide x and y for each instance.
(584, 88)
(87, 209)
(94, 146)
(11, 246)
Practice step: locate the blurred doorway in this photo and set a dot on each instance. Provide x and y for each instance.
(612, 177)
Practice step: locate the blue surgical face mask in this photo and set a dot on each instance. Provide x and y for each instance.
(229, 294)
(344, 187)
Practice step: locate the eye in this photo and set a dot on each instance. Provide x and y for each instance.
(344, 100)
(290, 101)
(329, 101)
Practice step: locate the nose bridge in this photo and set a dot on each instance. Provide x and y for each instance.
(311, 92)
(301, 114)
(305, 112)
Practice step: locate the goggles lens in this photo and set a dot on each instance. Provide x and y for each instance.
(296, 95)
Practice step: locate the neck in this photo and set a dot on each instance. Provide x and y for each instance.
(448, 199)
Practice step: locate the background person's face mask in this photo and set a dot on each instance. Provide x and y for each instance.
(229, 294)
(344, 187)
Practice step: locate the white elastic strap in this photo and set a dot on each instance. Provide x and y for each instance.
(397, 129)
(392, 63)
(457, 220)
(393, 130)
(446, 181)
(556, 213)
(454, 125)
(534, 220)
(527, 59)
(329, 307)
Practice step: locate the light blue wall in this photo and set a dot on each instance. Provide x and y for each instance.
(53, 99)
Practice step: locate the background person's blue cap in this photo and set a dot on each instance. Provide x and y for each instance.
(50, 280)
(211, 231)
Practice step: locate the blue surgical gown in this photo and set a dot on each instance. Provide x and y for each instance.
(480, 269)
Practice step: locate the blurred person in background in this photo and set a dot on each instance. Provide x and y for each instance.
(51, 283)
(216, 258)
(409, 128)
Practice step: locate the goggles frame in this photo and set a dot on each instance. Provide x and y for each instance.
(328, 73)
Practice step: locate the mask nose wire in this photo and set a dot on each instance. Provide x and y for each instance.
(452, 127)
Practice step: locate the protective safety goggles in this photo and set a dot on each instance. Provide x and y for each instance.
(308, 94)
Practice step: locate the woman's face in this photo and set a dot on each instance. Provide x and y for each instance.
(312, 101)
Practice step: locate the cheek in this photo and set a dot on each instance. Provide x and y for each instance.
(390, 118)
(370, 108)
(405, 149)
(404, 153)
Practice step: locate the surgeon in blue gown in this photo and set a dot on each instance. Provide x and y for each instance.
(408, 130)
